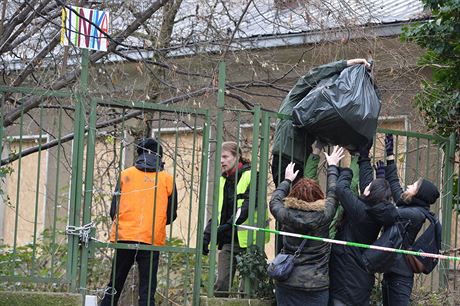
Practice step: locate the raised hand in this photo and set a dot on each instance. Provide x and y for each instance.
(380, 169)
(365, 149)
(357, 61)
(317, 147)
(389, 144)
(335, 157)
(289, 173)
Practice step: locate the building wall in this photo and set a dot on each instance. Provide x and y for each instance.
(395, 72)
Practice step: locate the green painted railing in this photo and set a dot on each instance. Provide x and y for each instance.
(84, 174)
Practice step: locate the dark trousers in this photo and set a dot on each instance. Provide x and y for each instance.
(224, 275)
(124, 261)
(278, 176)
(396, 289)
(291, 297)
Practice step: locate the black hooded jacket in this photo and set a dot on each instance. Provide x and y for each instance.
(411, 211)
(350, 282)
(148, 163)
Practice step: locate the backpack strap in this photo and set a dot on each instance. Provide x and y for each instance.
(429, 215)
(437, 225)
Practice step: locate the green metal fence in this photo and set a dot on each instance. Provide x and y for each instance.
(72, 252)
(56, 193)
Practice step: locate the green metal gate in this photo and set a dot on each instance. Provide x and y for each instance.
(91, 182)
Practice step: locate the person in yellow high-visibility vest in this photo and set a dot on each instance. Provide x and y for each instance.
(236, 172)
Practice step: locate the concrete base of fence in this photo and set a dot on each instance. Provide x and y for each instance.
(205, 301)
(23, 298)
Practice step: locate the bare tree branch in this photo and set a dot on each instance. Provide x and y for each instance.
(70, 77)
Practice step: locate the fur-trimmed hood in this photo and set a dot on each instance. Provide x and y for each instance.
(295, 203)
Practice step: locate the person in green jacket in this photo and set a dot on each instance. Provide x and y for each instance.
(292, 144)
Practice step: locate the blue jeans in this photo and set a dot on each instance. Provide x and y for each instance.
(396, 289)
(292, 297)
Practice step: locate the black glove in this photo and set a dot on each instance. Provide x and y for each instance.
(206, 240)
(389, 144)
(365, 149)
(222, 230)
(380, 169)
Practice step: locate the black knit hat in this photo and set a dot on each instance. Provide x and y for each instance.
(149, 145)
(427, 192)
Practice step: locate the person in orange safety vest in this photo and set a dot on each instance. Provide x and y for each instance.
(145, 201)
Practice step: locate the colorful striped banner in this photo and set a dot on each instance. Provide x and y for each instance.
(349, 243)
(82, 27)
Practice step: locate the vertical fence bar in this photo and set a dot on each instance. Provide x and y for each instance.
(417, 157)
(427, 175)
(88, 194)
(190, 210)
(192, 175)
(263, 179)
(37, 189)
(56, 191)
(447, 205)
(16, 217)
(235, 201)
(254, 159)
(201, 212)
(176, 145)
(455, 244)
(457, 207)
(117, 199)
(77, 170)
(253, 187)
(438, 207)
(427, 164)
(155, 203)
(215, 197)
(406, 166)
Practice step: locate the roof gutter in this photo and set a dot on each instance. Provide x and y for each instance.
(253, 43)
(280, 40)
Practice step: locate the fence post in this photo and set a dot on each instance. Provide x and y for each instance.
(447, 198)
(77, 172)
(253, 187)
(263, 179)
(201, 211)
(88, 195)
(254, 159)
(215, 197)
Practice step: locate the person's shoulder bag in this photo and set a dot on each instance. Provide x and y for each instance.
(281, 267)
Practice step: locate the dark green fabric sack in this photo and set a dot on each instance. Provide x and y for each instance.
(341, 110)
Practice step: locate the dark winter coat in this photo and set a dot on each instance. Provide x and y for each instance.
(411, 211)
(350, 282)
(286, 133)
(296, 216)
